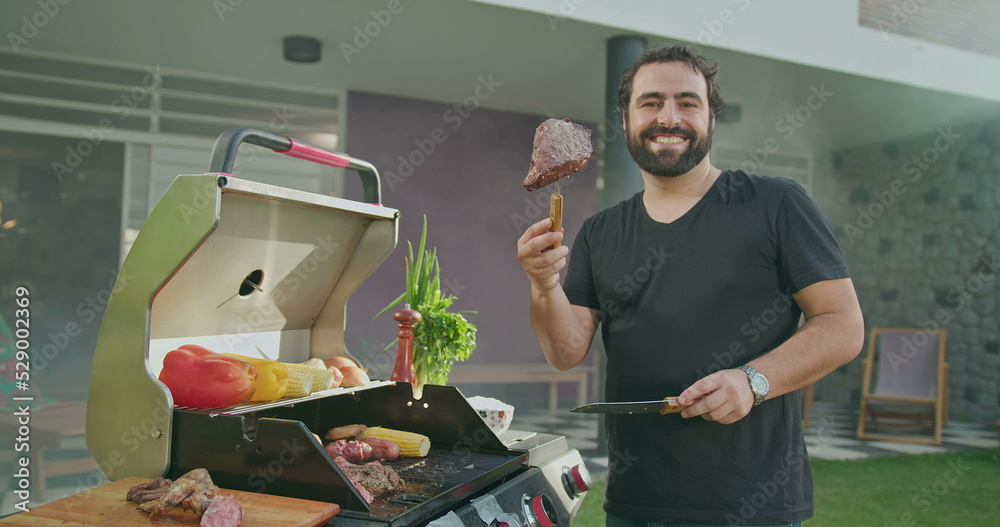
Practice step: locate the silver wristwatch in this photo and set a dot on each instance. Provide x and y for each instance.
(758, 384)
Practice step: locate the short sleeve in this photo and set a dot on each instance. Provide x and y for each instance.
(579, 284)
(808, 248)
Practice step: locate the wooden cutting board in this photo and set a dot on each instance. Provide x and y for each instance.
(106, 505)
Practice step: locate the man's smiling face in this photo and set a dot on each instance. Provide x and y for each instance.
(668, 127)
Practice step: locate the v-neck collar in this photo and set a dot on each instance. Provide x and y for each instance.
(687, 214)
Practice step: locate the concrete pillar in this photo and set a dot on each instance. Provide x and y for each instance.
(619, 173)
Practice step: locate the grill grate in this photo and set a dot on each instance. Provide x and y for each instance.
(247, 408)
(447, 466)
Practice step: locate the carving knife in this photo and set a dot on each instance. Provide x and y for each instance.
(668, 405)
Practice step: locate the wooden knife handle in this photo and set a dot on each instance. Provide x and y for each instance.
(556, 214)
(671, 406)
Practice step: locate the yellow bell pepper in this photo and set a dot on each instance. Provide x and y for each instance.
(272, 378)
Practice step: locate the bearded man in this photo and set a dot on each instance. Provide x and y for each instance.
(698, 283)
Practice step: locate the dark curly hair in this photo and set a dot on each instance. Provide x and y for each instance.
(676, 53)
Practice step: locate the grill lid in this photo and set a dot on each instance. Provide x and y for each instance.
(232, 265)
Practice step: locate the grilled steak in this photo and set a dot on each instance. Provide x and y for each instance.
(149, 491)
(195, 482)
(193, 492)
(371, 479)
(200, 501)
(561, 148)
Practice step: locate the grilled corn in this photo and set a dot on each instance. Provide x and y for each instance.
(410, 444)
(322, 378)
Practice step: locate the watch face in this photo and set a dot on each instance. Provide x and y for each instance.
(758, 384)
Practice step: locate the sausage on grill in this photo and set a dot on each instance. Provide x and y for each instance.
(353, 451)
(382, 448)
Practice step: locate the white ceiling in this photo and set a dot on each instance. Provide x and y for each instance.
(439, 49)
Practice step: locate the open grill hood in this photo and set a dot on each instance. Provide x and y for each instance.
(232, 265)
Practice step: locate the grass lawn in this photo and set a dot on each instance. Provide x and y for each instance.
(961, 488)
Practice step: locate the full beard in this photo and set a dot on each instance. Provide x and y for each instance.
(667, 163)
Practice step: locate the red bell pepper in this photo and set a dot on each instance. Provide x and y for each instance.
(201, 378)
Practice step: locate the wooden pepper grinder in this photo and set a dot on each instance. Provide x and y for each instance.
(404, 370)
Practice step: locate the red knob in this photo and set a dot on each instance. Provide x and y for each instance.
(581, 478)
(576, 480)
(542, 510)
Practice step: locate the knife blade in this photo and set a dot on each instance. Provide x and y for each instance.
(668, 405)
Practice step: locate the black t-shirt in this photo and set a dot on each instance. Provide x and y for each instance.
(678, 301)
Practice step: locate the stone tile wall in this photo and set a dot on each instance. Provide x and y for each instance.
(919, 222)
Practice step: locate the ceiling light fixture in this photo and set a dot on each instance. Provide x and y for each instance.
(731, 113)
(305, 50)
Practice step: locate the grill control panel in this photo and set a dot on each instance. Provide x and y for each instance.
(535, 497)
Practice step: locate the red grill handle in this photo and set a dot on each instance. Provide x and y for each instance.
(224, 156)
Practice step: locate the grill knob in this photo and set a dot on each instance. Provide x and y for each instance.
(576, 480)
(539, 511)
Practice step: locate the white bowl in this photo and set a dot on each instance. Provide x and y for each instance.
(495, 413)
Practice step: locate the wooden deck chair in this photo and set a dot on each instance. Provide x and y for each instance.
(909, 390)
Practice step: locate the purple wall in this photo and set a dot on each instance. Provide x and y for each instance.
(467, 167)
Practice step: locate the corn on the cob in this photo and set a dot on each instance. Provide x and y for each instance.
(410, 444)
(322, 378)
(314, 363)
(299, 383)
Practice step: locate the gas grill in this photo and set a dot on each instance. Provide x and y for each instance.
(244, 267)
